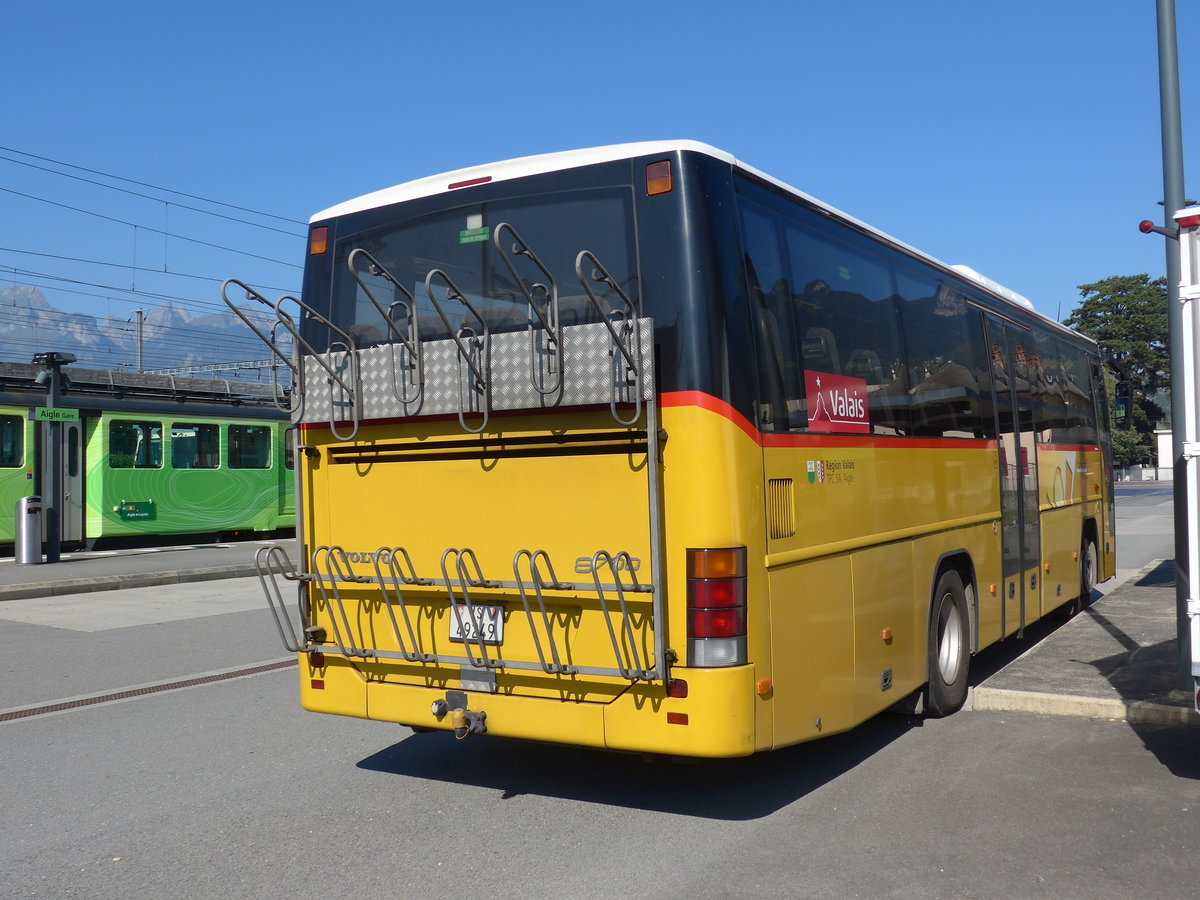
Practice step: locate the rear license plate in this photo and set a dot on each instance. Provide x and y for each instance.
(488, 622)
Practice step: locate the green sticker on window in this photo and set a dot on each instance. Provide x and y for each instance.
(843, 273)
(474, 235)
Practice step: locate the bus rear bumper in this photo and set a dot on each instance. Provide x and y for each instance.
(716, 719)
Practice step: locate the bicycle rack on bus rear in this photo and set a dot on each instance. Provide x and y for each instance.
(393, 572)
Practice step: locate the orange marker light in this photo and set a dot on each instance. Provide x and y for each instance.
(725, 563)
(658, 178)
(318, 241)
(764, 686)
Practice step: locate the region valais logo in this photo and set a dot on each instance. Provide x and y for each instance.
(836, 403)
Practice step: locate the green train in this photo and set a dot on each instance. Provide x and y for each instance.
(145, 456)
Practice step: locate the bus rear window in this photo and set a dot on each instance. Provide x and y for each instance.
(460, 243)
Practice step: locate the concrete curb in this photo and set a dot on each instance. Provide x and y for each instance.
(122, 582)
(1136, 712)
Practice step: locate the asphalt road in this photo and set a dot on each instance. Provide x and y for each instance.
(226, 789)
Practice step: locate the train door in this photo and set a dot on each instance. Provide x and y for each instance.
(1020, 524)
(71, 435)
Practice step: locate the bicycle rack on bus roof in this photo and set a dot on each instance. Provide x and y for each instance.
(411, 341)
(475, 352)
(547, 315)
(627, 344)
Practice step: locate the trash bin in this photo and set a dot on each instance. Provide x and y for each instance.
(28, 550)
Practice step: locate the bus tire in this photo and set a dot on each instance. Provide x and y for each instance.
(1089, 563)
(949, 647)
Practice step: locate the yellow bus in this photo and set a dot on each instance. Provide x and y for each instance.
(639, 448)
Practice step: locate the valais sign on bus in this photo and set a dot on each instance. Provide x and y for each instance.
(836, 403)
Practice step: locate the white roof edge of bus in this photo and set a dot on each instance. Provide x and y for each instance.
(995, 287)
(512, 168)
(571, 159)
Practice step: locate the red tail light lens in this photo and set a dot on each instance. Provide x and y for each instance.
(716, 613)
(717, 623)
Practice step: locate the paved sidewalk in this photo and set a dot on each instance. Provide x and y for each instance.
(106, 570)
(1117, 659)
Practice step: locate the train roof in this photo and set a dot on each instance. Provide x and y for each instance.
(117, 390)
(507, 170)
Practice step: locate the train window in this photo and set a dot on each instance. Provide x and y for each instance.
(289, 448)
(195, 446)
(135, 445)
(12, 442)
(249, 447)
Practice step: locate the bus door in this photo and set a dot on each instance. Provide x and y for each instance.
(1020, 527)
(71, 529)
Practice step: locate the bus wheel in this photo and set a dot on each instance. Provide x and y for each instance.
(949, 649)
(1089, 563)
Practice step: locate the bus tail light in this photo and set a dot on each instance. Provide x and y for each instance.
(318, 241)
(716, 613)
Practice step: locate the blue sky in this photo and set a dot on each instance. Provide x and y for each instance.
(1018, 137)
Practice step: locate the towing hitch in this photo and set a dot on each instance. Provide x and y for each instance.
(465, 721)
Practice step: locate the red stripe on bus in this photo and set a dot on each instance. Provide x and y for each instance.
(833, 441)
(712, 404)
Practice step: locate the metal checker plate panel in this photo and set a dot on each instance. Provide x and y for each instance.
(587, 351)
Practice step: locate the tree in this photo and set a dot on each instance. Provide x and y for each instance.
(1127, 316)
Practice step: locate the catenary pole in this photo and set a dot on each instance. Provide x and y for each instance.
(1181, 361)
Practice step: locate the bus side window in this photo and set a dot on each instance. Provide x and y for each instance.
(12, 442)
(846, 312)
(770, 296)
(1081, 425)
(941, 333)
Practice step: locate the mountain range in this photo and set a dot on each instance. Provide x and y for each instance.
(171, 336)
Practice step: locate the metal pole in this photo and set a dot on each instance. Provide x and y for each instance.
(140, 313)
(1181, 363)
(52, 502)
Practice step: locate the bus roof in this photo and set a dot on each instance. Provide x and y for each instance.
(555, 162)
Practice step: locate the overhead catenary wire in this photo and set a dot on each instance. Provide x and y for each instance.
(25, 324)
(178, 237)
(197, 209)
(133, 268)
(153, 187)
